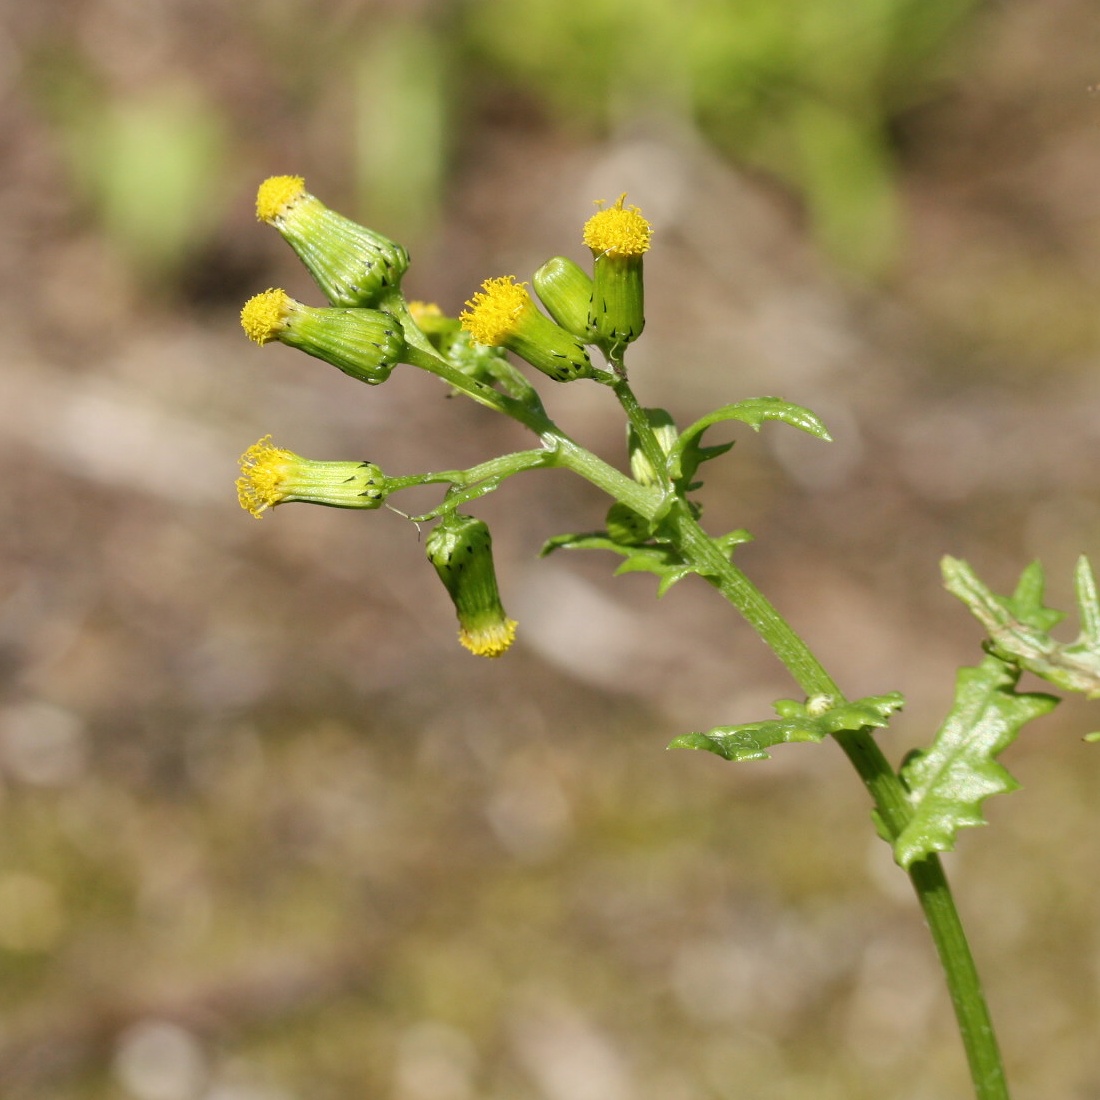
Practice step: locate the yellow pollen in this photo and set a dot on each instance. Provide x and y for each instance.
(495, 311)
(264, 315)
(491, 640)
(618, 231)
(263, 467)
(276, 194)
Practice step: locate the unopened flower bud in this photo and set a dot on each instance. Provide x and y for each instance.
(353, 265)
(566, 292)
(664, 428)
(619, 237)
(364, 343)
(271, 475)
(502, 314)
(461, 549)
(434, 323)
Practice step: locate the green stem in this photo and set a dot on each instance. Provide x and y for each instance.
(500, 467)
(927, 876)
(886, 790)
(975, 1023)
(643, 431)
(474, 483)
(643, 499)
(479, 391)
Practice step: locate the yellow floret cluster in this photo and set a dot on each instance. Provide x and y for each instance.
(618, 231)
(264, 315)
(276, 194)
(263, 468)
(491, 640)
(494, 311)
(425, 312)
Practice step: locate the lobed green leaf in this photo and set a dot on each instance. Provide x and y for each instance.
(1018, 625)
(658, 558)
(686, 454)
(810, 721)
(948, 782)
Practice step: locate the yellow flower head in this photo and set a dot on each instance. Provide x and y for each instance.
(353, 265)
(496, 311)
(619, 238)
(503, 314)
(364, 343)
(461, 550)
(276, 195)
(265, 315)
(618, 231)
(263, 470)
(489, 639)
(271, 475)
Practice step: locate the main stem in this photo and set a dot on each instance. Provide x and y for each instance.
(927, 876)
(883, 784)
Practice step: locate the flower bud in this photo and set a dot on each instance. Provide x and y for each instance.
(461, 549)
(502, 314)
(664, 428)
(619, 237)
(440, 329)
(566, 292)
(353, 265)
(364, 343)
(271, 475)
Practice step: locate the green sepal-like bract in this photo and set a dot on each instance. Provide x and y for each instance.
(364, 343)
(617, 314)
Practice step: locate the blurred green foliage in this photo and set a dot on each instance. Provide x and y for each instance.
(149, 165)
(805, 89)
(401, 91)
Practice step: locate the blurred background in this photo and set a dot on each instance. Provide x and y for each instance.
(266, 831)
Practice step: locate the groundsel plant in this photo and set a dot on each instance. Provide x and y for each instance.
(581, 334)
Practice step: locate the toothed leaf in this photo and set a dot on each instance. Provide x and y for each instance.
(691, 456)
(728, 541)
(1017, 625)
(656, 558)
(948, 782)
(686, 455)
(810, 721)
(1088, 603)
(1026, 602)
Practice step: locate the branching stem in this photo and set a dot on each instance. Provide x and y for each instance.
(698, 549)
(881, 781)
